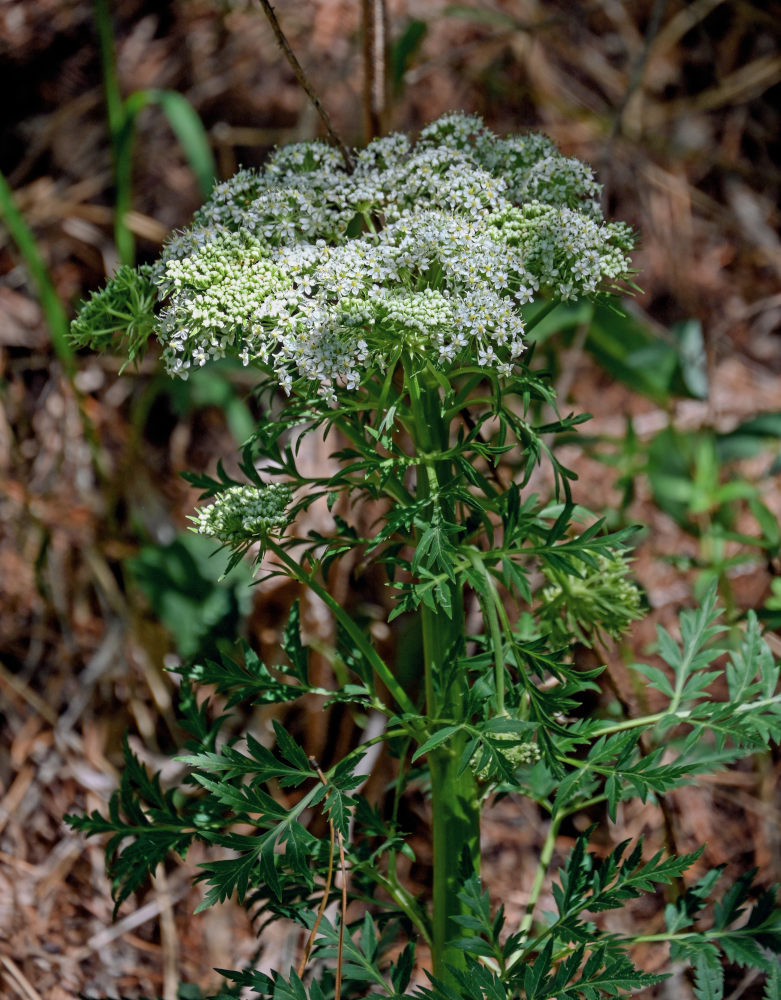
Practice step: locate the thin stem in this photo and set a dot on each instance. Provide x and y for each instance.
(303, 79)
(711, 935)
(405, 902)
(581, 805)
(343, 920)
(684, 714)
(497, 643)
(343, 865)
(323, 901)
(380, 668)
(402, 897)
(539, 879)
(374, 19)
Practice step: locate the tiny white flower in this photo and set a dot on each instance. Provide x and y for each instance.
(473, 225)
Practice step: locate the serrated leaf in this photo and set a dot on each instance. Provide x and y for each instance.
(773, 983)
(439, 737)
(292, 645)
(656, 677)
(290, 750)
(708, 975)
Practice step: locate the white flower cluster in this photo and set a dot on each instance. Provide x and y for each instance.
(318, 273)
(243, 513)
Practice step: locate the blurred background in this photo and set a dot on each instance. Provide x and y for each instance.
(677, 105)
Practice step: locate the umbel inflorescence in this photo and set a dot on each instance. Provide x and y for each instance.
(245, 513)
(312, 272)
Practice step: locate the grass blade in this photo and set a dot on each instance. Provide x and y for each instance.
(188, 129)
(52, 306)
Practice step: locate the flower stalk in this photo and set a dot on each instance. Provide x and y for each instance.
(455, 797)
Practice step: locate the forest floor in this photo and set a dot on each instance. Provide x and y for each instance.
(677, 105)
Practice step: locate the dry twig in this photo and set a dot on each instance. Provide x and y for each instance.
(303, 79)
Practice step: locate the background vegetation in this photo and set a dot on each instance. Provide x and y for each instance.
(676, 105)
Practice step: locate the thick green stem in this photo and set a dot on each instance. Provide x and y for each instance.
(455, 797)
(455, 802)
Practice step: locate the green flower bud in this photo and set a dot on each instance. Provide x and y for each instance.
(605, 599)
(515, 753)
(244, 513)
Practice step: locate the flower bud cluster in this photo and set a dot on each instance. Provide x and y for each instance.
(321, 274)
(243, 513)
(606, 599)
(516, 755)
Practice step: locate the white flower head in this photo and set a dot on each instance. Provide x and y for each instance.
(245, 513)
(312, 272)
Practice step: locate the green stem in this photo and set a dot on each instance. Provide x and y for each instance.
(455, 799)
(379, 666)
(538, 317)
(539, 879)
(684, 714)
(398, 891)
(405, 901)
(489, 606)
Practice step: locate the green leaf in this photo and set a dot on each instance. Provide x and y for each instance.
(773, 983)
(708, 975)
(290, 750)
(401, 970)
(768, 524)
(439, 737)
(657, 677)
(434, 550)
(247, 680)
(145, 824)
(292, 645)
(180, 580)
(563, 316)
(535, 972)
(226, 877)
(749, 438)
(630, 352)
